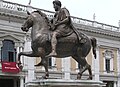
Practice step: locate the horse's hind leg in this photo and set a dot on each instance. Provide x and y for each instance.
(80, 67)
(45, 64)
(83, 66)
(90, 72)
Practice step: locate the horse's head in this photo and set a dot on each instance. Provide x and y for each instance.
(36, 18)
(28, 23)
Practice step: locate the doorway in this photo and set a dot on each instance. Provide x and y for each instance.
(6, 82)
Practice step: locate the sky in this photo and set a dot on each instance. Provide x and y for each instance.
(106, 11)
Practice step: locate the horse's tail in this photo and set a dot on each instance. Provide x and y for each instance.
(94, 45)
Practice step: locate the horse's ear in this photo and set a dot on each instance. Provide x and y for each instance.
(28, 12)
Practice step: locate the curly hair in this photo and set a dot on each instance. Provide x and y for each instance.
(57, 2)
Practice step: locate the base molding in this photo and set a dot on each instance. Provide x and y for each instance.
(64, 83)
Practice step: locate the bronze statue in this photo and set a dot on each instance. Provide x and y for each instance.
(67, 45)
(61, 26)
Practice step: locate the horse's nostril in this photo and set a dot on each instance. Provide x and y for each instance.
(22, 28)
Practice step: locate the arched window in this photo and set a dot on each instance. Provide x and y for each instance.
(8, 52)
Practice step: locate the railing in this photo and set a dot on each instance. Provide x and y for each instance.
(23, 8)
(94, 24)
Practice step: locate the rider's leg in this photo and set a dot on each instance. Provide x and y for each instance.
(53, 43)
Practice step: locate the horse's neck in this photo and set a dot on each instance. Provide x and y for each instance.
(38, 29)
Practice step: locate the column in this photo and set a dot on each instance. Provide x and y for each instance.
(96, 68)
(115, 84)
(29, 61)
(66, 67)
(118, 67)
(1, 2)
(54, 67)
(17, 48)
(21, 81)
(53, 61)
(20, 49)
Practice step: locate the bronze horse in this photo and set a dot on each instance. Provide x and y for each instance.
(67, 46)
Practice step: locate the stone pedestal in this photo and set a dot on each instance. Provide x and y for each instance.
(64, 83)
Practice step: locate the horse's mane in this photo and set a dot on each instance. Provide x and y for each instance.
(41, 13)
(44, 16)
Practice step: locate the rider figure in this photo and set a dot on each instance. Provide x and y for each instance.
(61, 25)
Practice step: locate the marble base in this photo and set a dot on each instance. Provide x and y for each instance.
(64, 83)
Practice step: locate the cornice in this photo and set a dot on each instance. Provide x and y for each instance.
(98, 30)
(10, 13)
(16, 38)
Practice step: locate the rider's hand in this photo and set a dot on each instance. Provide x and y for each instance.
(57, 24)
(52, 27)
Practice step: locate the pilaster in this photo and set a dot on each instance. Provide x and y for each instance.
(118, 67)
(96, 66)
(66, 67)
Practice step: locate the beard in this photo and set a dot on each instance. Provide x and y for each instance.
(56, 9)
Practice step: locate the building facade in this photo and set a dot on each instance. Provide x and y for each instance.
(106, 67)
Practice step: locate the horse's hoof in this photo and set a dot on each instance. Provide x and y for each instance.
(78, 76)
(90, 78)
(19, 62)
(45, 77)
(20, 67)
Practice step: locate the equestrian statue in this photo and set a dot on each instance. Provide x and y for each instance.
(57, 38)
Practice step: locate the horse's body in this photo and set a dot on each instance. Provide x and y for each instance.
(67, 46)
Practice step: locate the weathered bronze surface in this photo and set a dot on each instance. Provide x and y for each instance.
(62, 26)
(65, 37)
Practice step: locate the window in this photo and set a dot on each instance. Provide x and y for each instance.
(109, 83)
(107, 66)
(0, 55)
(11, 56)
(8, 52)
(108, 56)
(50, 62)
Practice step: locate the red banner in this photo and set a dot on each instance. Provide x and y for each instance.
(10, 67)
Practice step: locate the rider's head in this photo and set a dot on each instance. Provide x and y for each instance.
(57, 4)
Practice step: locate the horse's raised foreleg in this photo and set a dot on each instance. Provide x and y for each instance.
(29, 54)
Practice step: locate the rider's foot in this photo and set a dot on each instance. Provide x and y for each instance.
(52, 54)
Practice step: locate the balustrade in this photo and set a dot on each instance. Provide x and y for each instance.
(23, 8)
